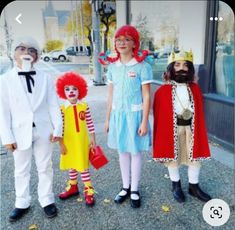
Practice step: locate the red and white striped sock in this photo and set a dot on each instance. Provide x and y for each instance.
(85, 176)
(73, 174)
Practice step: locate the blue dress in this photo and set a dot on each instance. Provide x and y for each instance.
(127, 106)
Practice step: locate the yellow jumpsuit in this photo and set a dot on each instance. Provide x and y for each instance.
(76, 138)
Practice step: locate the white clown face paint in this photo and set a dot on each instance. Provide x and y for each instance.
(71, 93)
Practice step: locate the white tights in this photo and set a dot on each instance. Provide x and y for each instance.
(130, 165)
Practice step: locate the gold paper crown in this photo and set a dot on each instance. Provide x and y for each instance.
(181, 56)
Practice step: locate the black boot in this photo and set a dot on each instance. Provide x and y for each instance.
(177, 191)
(195, 190)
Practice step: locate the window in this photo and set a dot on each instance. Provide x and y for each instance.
(158, 24)
(224, 63)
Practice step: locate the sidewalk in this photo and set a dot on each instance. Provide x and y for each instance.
(217, 178)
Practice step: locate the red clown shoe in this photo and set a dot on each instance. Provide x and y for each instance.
(89, 195)
(71, 190)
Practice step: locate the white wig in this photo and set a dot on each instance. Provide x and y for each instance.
(28, 41)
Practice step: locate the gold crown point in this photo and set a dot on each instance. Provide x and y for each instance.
(181, 56)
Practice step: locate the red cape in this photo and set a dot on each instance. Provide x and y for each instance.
(164, 148)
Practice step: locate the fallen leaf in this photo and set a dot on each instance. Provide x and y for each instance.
(79, 200)
(33, 227)
(107, 201)
(165, 208)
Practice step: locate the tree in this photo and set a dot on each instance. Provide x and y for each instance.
(8, 38)
(53, 45)
(141, 26)
(87, 21)
(81, 16)
(108, 18)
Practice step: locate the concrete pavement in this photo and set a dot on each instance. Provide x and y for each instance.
(217, 178)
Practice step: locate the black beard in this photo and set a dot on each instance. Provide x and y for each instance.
(182, 76)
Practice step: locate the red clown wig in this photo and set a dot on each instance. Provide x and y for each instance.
(132, 32)
(71, 78)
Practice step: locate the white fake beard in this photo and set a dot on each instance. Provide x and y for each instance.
(26, 62)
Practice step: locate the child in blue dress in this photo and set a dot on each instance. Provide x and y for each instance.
(128, 106)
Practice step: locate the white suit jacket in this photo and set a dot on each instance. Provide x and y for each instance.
(17, 114)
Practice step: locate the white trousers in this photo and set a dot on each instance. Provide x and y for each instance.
(42, 151)
(193, 173)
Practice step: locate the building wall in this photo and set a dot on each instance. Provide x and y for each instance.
(121, 13)
(51, 28)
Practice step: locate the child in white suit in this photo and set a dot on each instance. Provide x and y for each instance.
(30, 121)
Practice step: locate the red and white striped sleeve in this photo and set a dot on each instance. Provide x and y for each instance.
(89, 121)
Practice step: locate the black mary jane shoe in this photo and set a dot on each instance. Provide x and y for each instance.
(50, 210)
(119, 199)
(17, 213)
(135, 203)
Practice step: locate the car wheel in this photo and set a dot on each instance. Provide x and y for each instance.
(46, 59)
(62, 58)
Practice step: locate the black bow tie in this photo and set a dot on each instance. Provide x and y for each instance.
(28, 79)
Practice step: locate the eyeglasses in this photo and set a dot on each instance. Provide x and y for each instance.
(30, 50)
(120, 41)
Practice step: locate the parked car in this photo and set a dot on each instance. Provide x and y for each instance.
(79, 51)
(45, 57)
(54, 55)
(164, 55)
(154, 54)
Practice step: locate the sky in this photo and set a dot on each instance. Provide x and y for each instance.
(31, 18)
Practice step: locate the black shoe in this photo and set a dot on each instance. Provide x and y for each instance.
(195, 190)
(177, 191)
(119, 199)
(17, 213)
(50, 210)
(135, 203)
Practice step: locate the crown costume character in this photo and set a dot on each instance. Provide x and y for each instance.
(181, 56)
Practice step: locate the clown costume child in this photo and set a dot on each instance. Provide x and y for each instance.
(78, 135)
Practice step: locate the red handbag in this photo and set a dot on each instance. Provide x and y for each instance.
(97, 157)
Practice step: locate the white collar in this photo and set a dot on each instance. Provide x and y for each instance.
(19, 69)
(130, 63)
(67, 103)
